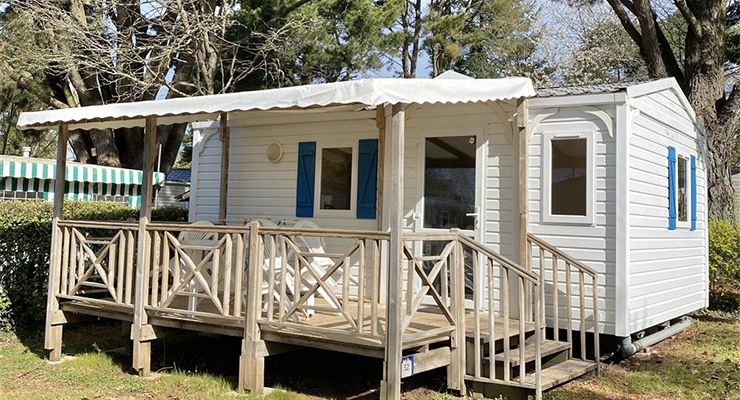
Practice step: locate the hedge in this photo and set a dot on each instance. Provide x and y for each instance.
(25, 240)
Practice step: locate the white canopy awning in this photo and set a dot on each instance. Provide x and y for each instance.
(365, 92)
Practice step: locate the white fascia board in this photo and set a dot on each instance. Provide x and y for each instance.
(578, 100)
(671, 85)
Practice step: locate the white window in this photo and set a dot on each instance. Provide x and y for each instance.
(568, 180)
(683, 206)
(336, 179)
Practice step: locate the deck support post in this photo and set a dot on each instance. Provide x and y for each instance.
(53, 333)
(390, 387)
(225, 137)
(142, 349)
(252, 363)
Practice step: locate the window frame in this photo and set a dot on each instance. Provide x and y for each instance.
(547, 215)
(320, 146)
(687, 157)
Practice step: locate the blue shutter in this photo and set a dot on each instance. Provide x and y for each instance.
(306, 179)
(671, 188)
(693, 193)
(367, 178)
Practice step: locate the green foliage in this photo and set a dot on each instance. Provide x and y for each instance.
(486, 39)
(724, 250)
(25, 240)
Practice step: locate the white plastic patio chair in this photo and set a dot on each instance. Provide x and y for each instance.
(319, 264)
(280, 262)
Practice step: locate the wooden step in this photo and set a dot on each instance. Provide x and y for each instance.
(562, 373)
(548, 347)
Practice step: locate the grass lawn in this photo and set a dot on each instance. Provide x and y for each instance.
(702, 362)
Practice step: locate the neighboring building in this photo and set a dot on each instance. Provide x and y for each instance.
(27, 178)
(175, 185)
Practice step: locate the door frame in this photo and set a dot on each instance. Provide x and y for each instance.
(481, 173)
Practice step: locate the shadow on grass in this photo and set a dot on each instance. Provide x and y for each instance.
(310, 372)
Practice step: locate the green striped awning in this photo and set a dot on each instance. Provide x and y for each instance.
(83, 173)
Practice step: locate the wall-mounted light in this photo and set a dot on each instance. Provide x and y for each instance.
(275, 152)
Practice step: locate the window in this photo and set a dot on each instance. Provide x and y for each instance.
(568, 178)
(449, 182)
(682, 188)
(336, 179)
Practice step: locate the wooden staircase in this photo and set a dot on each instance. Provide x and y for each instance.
(529, 355)
(558, 365)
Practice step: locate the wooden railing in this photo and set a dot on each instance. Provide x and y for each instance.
(97, 261)
(197, 270)
(433, 278)
(549, 255)
(300, 275)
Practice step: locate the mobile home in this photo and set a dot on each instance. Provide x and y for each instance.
(472, 225)
(616, 180)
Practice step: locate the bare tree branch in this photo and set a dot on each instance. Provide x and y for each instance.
(688, 16)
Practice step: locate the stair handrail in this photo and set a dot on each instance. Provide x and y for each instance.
(518, 269)
(563, 255)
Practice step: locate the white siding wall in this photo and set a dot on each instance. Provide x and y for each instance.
(592, 245)
(259, 188)
(667, 268)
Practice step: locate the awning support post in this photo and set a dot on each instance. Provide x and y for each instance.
(142, 349)
(390, 387)
(53, 334)
(225, 137)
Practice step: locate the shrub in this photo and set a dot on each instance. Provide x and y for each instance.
(25, 243)
(724, 250)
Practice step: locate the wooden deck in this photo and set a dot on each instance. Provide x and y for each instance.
(201, 279)
(322, 330)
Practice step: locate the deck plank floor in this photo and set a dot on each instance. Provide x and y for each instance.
(331, 329)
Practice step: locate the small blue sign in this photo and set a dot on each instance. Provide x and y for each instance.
(407, 366)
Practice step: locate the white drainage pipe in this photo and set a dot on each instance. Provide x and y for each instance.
(628, 348)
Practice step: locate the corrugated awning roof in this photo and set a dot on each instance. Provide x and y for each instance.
(39, 168)
(365, 92)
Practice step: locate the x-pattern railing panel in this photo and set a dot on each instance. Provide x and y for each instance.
(427, 282)
(190, 272)
(321, 281)
(99, 265)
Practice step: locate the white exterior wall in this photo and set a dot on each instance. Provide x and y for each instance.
(667, 268)
(259, 188)
(594, 245)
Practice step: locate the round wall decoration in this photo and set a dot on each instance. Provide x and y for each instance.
(275, 152)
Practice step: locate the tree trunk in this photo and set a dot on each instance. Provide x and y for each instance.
(705, 87)
(702, 80)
